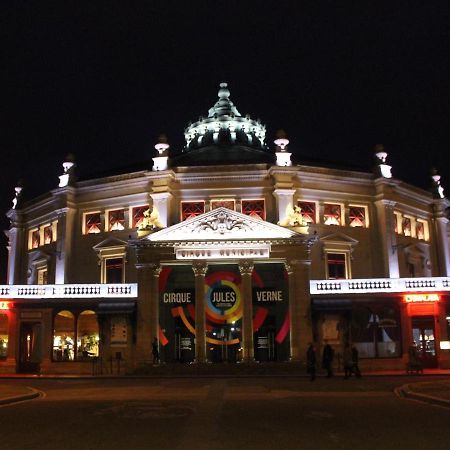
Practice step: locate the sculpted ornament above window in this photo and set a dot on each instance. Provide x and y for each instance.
(222, 223)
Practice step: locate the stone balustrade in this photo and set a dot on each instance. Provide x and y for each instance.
(129, 290)
(379, 285)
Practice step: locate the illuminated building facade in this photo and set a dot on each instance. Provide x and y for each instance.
(228, 252)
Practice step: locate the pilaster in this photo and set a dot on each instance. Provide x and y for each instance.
(161, 200)
(388, 238)
(200, 268)
(284, 198)
(246, 269)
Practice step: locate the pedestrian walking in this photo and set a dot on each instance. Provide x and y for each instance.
(347, 360)
(327, 359)
(311, 361)
(355, 361)
(155, 351)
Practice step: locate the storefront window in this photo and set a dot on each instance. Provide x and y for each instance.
(3, 336)
(64, 336)
(375, 331)
(87, 335)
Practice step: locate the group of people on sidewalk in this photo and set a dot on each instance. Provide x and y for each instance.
(350, 361)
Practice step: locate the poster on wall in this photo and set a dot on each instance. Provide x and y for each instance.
(119, 331)
(271, 324)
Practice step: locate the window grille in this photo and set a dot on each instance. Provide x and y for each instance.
(116, 220)
(93, 223)
(254, 208)
(332, 214)
(191, 209)
(138, 215)
(357, 216)
(308, 211)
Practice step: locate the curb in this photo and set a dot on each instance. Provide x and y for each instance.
(20, 398)
(406, 392)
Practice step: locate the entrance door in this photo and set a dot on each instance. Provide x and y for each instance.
(29, 357)
(423, 336)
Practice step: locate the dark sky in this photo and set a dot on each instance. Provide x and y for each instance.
(103, 79)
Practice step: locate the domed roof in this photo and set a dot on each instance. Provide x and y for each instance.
(224, 137)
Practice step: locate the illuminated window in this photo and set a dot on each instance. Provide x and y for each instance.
(308, 211)
(229, 204)
(357, 216)
(48, 234)
(92, 223)
(191, 209)
(375, 331)
(34, 239)
(87, 335)
(116, 220)
(420, 230)
(254, 208)
(137, 215)
(336, 266)
(42, 275)
(332, 214)
(64, 336)
(3, 336)
(406, 226)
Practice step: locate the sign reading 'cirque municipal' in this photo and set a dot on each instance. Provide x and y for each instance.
(260, 251)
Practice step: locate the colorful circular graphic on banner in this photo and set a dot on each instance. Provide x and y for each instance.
(223, 298)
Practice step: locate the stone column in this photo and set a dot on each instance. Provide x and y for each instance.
(66, 218)
(299, 308)
(441, 335)
(147, 309)
(16, 246)
(406, 327)
(284, 197)
(161, 200)
(246, 270)
(388, 238)
(441, 240)
(200, 268)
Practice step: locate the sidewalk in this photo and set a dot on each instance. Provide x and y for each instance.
(13, 394)
(433, 392)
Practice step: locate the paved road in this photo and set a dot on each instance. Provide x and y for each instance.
(222, 413)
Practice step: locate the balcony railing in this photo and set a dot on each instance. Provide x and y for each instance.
(379, 285)
(129, 290)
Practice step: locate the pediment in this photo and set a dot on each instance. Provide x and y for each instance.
(109, 243)
(38, 256)
(338, 238)
(222, 224)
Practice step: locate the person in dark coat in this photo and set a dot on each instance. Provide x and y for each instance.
(327, 359)
(155, 351)
(355, 362)
(311, 362)
(347, 360)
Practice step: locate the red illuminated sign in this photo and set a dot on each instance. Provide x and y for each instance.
(420, 298)
(4, 305)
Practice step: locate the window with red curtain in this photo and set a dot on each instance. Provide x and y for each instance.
(357, 216)
(48, 234)
(420, 230)
(116, 220)
(191, 209)
(92, 223)
(332, 214)
(336, 266)
(138, 215)
(35, 239)
(406, 226)
(254, 208)
(308, 211)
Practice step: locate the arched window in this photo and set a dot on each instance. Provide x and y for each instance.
(3, 336)
(64, 336)
(87, 335)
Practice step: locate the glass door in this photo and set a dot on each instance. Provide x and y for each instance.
(423, 336)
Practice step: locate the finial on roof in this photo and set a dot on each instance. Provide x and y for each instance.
(160, 161)
(382, 168)
(281, 141)
(17, 193)
(68, 176)
(437, 189)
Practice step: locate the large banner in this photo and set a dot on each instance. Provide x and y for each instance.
(177, 313)
(271, 324)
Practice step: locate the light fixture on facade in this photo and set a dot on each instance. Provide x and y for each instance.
(381, 156)
(162, 147)
(283, 156)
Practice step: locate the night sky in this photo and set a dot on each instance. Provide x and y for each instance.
(102, 80)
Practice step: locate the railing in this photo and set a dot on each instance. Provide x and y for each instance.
(129, 290)
(381, 285)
